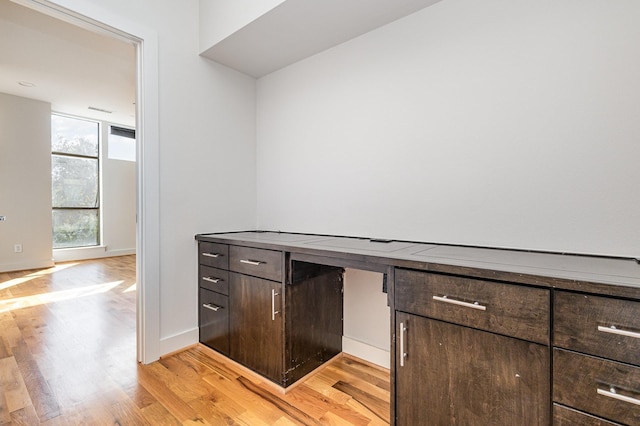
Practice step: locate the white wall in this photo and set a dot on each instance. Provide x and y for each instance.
(25, 183)
(366, 330)
(494, 123)
(221, 18)
(118, 201)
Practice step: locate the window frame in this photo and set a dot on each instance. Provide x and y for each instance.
(98, 158)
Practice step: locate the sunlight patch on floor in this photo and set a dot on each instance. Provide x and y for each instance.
(55, 296)
(131, 288)
(17, 281)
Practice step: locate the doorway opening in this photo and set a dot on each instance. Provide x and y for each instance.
(146, 117)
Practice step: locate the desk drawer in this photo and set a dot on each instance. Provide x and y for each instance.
(601, 326)
(563, 416)
(598, 386)
(508, 309)
(256, 262)
(214, 279)
(213, 254)
(214, 320)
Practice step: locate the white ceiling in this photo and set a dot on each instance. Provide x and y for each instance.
(72, 68)
(297, 29)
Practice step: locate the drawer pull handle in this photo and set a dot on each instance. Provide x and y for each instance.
(211, 307)
(252, 262)
(614, 330)
(474, 305)
(212, 279)
(211, 254)
(615, 395)
(273, 304)
(403, 353)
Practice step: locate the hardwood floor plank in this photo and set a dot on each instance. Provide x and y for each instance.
(10, 332)
(337, 373)
(292, 412)
(4, 350)
(26, 416)
(158, 415)
(14, 392)
(176, 406)
(126, 413)
(375, 376)
(376, 405)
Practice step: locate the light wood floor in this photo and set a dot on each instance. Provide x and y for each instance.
(67, 357)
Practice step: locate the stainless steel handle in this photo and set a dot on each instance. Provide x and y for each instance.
(273, 304)
(614, 330)
(212, 279)
(211, 306)
(211, 254)
(612, 393)
(252, 262)
(403, 354)
(474, 305)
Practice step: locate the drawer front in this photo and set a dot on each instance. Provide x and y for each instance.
(214, 255)
(256, 262)
(507, 309)
(601, 387)
(563, 416)
(214, 279)
(601, 326)
(214, 320)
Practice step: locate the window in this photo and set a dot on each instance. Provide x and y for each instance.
(75, 182)
(122, 144)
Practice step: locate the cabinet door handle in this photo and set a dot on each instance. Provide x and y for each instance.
(403, 353)
(211, 254)
(614, 330)
(615, 395)
(252, 262)
(474, 305)
(211, 306)
(212, 279)
(273, 304)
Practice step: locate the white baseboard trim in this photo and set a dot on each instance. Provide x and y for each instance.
(365, 351)
(85, 253)
(23, 266)
(180, 341)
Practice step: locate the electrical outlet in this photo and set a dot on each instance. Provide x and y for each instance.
(17, 248)
(3, 218)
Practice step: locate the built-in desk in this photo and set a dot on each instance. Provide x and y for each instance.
(476, 333)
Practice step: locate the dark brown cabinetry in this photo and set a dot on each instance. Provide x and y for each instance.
(213, 312)
(214, 320)
(257, 330)
(281, 325)
(450, 373)
(479, 336)
(597, 357)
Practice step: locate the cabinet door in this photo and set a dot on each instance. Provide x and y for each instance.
(448, 374)
(256, 324)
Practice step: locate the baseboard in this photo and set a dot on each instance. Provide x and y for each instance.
(85, 253)
(24, 266)
(366, 352)
(179, 342)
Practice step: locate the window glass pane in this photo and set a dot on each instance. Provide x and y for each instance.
(122, 148)
(74, 136)
(75, 228)
(74, 181)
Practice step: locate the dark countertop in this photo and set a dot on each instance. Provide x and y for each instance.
(596, 274)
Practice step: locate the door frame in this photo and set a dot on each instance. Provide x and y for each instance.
(94, 18)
